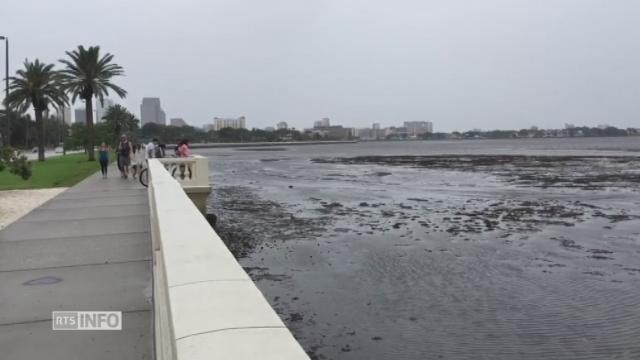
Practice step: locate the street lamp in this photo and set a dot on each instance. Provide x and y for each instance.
(6, 87)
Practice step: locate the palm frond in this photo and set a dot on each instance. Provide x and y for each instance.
(37, 85)
(88, 75)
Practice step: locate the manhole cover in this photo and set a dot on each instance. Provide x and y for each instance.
(45, 280)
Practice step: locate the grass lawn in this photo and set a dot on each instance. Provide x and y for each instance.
(57, 171)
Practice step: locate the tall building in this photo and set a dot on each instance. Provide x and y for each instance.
(65, 115)
(80, 115)
(282, 125)
(101, 109)
(234, 123)
(151, 112)
(375, 126)
(415, 128)
(177, 122)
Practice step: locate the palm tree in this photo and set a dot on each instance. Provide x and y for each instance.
(119, 120)
(87, 75)
(37, 86)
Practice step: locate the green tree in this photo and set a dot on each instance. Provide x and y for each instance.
(87, 75)
(119, 120)
(77, 138)
(15, 161)
(37, 86)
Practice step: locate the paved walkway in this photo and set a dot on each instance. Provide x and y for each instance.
(89, 248)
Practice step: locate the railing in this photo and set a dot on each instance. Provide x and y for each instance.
(190, 171)
(205, 305)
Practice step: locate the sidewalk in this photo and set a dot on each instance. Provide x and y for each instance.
(89, 248)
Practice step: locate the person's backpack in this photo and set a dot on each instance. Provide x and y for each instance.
(158, 152)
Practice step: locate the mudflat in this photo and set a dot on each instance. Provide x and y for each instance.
(487, 249)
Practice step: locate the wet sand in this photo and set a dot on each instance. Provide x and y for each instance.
(440, 256)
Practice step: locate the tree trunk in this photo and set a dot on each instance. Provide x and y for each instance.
(40, 132)
(88, 108)
(26, 132)
(116, 134)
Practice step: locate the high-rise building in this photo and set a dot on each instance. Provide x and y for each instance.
(415, 128)
(375, 126)
(151, 112)
(282, 125)
(101, 109)
(80, 115)
(234, 123)
(177, 122)
(65, 115)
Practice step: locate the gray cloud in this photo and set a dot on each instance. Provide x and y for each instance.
(460, 64)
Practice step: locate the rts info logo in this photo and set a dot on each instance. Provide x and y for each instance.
(87, 320)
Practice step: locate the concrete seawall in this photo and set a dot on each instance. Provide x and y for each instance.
(205, 305)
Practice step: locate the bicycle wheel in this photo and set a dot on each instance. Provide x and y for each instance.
(144, 177)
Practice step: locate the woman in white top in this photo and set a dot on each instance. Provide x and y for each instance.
(138, 159)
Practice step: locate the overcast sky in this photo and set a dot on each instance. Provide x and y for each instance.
(460, 64)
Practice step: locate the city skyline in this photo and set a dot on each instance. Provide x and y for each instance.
(500, 64)
(324, 121)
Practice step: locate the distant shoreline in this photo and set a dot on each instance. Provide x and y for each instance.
(332, 142)
(258, 144)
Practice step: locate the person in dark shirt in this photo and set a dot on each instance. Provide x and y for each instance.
(124, 156)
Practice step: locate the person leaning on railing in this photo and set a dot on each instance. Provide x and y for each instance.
(183, 148)
(183, 151)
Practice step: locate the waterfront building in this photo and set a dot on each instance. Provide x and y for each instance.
(177, 122)
(336, 132)
(415, 128)
(366, 134)
(234, 123)
(151, 112)
(396, 133)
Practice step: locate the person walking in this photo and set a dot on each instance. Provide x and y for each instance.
(124, 156)
(160, 151)
(151, 149)
(138, 159)
(103, 156)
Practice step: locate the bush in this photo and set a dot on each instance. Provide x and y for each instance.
(16, 162)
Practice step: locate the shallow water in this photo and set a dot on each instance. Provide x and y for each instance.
(372, 261)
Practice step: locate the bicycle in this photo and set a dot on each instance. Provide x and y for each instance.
(144, 177)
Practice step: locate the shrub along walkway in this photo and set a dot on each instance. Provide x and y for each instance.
(89, 248)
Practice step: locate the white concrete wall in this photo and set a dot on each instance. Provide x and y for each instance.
(194, 168)
(206, 306)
